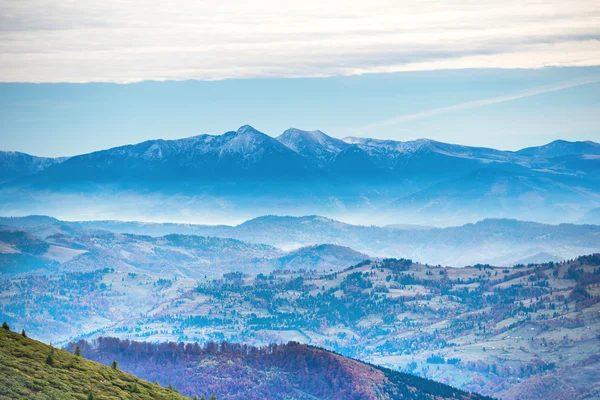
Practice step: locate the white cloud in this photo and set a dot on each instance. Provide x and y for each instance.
(480, 103)
(129, 40)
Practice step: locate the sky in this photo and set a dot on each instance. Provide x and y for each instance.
(134, 40)
(80, 76)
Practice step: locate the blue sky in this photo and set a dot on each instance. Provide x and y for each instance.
(485, 108)
(81, 76)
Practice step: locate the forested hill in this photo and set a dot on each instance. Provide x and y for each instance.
(289, 371)
(33, 370)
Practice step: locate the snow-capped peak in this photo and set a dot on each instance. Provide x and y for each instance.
(246, 129)
(315, 145)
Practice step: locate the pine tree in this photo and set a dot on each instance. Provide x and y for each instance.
(23, 333)
(202, 398)
(6, 326)
(213, 397)
(91, 396)
(77, 351)
(114, 365)
(134, 388)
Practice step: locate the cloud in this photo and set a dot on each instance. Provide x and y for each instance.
(480, 103)
(126, 41)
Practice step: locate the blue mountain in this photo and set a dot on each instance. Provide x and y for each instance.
(245, 168)
(15, 165)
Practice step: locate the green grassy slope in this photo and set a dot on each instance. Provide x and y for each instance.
(25, 374)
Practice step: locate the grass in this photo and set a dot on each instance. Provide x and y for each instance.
(25, 374)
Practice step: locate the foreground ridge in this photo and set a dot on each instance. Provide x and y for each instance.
(32, 370)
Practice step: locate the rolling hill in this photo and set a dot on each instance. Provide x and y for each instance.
(503, 242)
(79, 250)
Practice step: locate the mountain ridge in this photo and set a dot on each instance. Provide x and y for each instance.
(31, 369)
(502, 242)
(297, 140)
(285, 371)
(311, 172)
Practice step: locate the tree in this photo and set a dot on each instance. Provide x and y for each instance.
(6, 326)
(114, 365)
(134, 388)
(50, 358)
(23, 333)
(91, 396)
(77, 351)
(213, 397)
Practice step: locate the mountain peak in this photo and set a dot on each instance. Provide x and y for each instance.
(314, 145)
(562, 148)
(316, 135)
(245, 129)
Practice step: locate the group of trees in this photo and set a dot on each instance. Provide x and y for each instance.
(239, 371)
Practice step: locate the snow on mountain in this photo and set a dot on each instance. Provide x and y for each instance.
(315, 145)
(242, 153)
(394, 149)
(319, 173)
(15, 165)
(377, 146)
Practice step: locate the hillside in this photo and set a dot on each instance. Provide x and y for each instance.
(480, 328)
(288, 371)
(25, 373)
(322, 257)
(14, 165)
(484, 329)
(82, 250)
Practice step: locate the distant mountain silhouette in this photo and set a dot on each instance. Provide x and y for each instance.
(245, 169)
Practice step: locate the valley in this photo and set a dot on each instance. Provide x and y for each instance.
(492, 330)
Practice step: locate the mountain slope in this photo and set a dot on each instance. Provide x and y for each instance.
(561, 148)
(481, 328)
(245, 153)
(289, 371)
(15, 165)
(26, 374)
(314, 145)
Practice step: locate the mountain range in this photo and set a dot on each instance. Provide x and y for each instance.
(310, 242)
(247, 172)
(76, 249)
